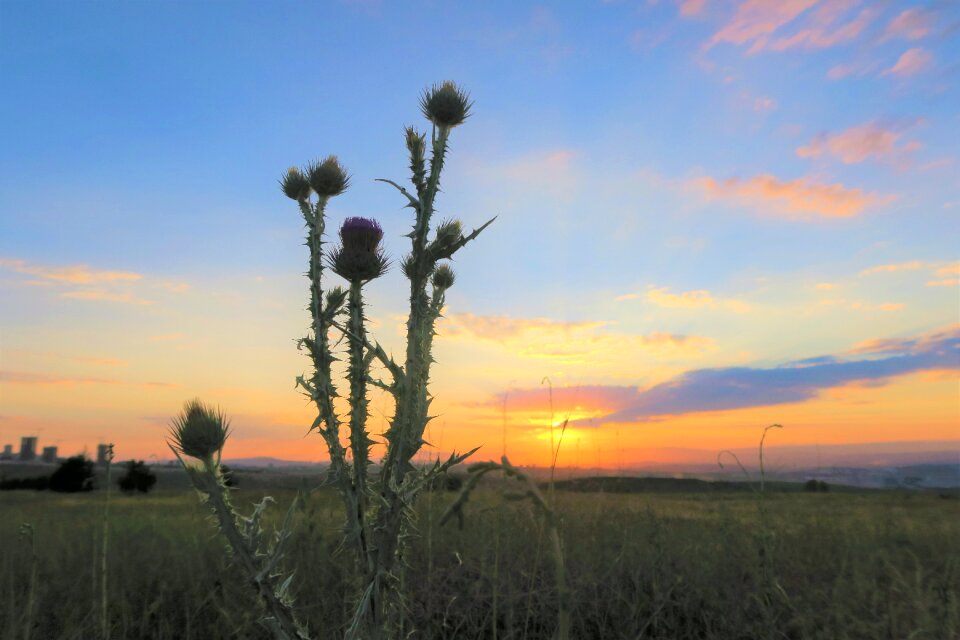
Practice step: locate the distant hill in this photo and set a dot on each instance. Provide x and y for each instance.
(626, 484)
(266, 462)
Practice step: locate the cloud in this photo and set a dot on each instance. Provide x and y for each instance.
(105, 296)
(948, 276)
(856, 68)
(724, 389)
(697, 299)
(789, 24)
(764, 104)
(80, 281)
(692, 8)
(912, 62)
(922, 343)
(892, 268)
(799, 197)
(911, 24)
(856, 144)
(28, 378)
(755, 20)
(861, 306)
(502, 328)
(824, 32)
(77, 274)
(569, 342)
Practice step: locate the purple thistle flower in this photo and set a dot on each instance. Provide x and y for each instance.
(360, 256)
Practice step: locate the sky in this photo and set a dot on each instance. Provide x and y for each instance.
(712, 216)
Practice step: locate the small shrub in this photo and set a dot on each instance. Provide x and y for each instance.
(137, 478)
(38, 484)
(74, 474)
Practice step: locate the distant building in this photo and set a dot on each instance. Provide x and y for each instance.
(103, 454)
(28, 448)
(49, 454)
(7, 452)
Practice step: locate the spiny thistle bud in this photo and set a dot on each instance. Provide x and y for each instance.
(200, 430)
(295, 185)
(449, 234)
(335, 299)
(360, 256)
(443, 277)
(407, 266)
(328, 178)
(445, 105)
(416, 142)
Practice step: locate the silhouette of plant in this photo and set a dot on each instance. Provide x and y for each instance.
(137, 477)
(74, 474)
(379, 507)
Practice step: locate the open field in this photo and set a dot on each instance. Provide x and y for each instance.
(851, 565)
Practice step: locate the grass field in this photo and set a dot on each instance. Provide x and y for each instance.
(839, 565)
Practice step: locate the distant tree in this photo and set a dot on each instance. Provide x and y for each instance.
(74, 474)
(137, 478)
(816, 486)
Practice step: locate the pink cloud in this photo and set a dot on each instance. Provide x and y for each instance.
(856, 144)
(764, 103)
(823, 33)
(692, 8)
(789, 24)
(801, 197)
(857, 68)
(911, 24)
(755, 20)
(912, 62)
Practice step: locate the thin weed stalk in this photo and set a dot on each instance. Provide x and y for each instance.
(105, 537)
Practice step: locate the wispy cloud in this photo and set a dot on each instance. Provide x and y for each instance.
(571, 342)
(892, 268)
(80, 281)
(692, 8)
(857, 144)
(794, 198)
(30, 378)
(505, 327)
(75, 274)
(948, 276)
(696, 299)
(723, 389)
(788, 24)
(764, 104)
(827, 28)
(912, 62)
(105, 296)
(911, 24)
(756, 20)
(857, 305)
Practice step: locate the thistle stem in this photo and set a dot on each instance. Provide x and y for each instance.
(284, 625)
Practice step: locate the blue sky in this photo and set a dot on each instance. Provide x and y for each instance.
(773, 181)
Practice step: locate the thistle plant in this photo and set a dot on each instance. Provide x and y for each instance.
(378, 503)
